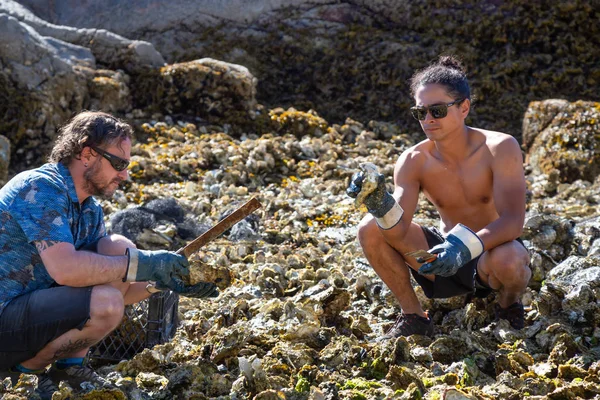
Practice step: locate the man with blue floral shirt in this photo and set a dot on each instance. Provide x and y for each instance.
(63, 281)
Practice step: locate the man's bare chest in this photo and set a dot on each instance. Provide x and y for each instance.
(468, 185)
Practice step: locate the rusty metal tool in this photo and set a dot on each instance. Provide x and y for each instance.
(421, 256)
(239, 214)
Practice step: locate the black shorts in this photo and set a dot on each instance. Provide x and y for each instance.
(464, 281)
(31, 321)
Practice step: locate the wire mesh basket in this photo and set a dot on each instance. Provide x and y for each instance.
(145, 324)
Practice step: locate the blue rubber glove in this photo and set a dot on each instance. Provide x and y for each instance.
(199, 290)
(368, 188)
(461, 246)
(159, 266)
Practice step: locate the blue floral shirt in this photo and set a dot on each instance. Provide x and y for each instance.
(40, 204)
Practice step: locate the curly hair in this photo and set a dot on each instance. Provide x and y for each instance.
(448, 72)
(88, 128)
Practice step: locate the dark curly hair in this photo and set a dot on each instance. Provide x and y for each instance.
(446, 71)
(88, 128)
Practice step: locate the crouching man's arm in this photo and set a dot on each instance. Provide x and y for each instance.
(392, 211)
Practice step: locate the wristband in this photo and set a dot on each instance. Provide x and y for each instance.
(132, 265)
(469, 239)
(391, 218)
(151, 288)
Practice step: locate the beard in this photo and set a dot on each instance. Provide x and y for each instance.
(96, 186)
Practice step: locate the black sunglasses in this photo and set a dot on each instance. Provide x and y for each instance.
(437, 111)
(117, 162)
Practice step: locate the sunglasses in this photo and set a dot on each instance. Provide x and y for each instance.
(117, 162)
(437, 111)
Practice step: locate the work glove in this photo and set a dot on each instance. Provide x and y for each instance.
(368, 187)
(461, 246)
(197, 291)
(159, 266)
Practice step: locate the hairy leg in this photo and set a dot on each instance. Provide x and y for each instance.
(106, 312)
(506, 269)
(388, 262)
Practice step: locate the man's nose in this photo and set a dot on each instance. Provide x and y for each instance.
(428, 116)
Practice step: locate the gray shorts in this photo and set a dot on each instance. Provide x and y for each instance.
(31, 321)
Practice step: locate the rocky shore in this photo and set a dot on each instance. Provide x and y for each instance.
(300, 308)
(299, 316)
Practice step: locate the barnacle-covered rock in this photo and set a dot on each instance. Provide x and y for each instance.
(26, 385)
(538, 117)
(299, 124)
(587, 234)
(402, 377)
(563, 349)
(109, 394)
(151, 381)
(204, 87)
(544, 230)
(228, 344)
(456, 394)
(569, 144)
(201, 272)
(576, 271)
(109, 91)
(341, 350)
(447, 349)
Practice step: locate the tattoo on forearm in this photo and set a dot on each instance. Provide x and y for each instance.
(70, 348)
(42, 245)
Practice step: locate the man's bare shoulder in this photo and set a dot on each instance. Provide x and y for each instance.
(417, 152)
(410, 163)
(498, 141)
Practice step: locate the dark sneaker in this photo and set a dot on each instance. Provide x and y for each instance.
(514, 314)
(45, 387)
(77, 375)
(409, 324)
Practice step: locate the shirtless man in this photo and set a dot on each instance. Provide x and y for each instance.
(475, 179)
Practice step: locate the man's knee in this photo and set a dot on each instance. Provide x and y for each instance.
(368, 232)
(114, 245)
(509, 263)
(106, 307)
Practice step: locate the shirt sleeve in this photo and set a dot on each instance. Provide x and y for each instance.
(42, 210)
(93, 228)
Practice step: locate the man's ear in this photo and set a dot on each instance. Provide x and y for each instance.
(465, 107)
(86, 154)
(85, 150)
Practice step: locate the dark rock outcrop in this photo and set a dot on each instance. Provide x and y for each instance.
(355, 57)
(109, 49)
(42, 82)
(50, 72)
